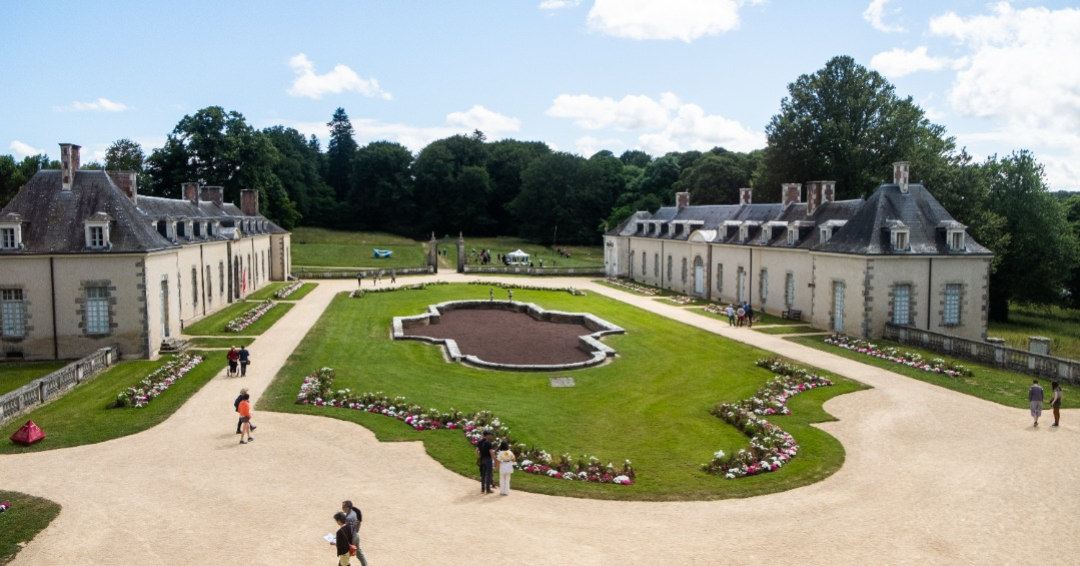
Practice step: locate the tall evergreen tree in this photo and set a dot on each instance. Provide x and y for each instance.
(339, 154)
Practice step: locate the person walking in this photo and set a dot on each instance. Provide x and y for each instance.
(1035, 397)
(491, 294)
(730, 315)
(393, 276)
(353, 518)
(236, 405)
(486, 453)
(233, 356)
(343, 539)
(741, 313)
(1055, 401)
(511, 294)
(245, 358)
(244, 408)
(749, 315)
(359, 278)
(506, 460)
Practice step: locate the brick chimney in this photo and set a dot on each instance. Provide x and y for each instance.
(249, 202)
(813, 197)
(900, 171)
(828, 191)
(127, 181)
(682, 200)
(791, 193)
(191, 192)
(213, 194)
(69, 164)
(745, 195)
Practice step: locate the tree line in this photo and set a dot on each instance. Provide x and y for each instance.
(843, 122)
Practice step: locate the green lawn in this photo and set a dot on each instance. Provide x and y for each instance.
(211, 342)
(319, 247)
(1062, 326)
(787, 329)
(268, 292)
(27, 517)
(82, 416)
(14, 375)
(1004, 387)
(214, 325)
(650, 405)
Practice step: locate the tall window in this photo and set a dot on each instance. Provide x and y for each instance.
(97, 310)
(789, 290)
(656, 266)
(740, 286)
(97, 236)
(194, 287)
(952, 304)
(643, 264)
(12, 313)
(719, 278)
(221, 278)
(684, 273)
(764, 281)
(838, 306)
(669, 270)
(902, 304)
(7, 238)
(209, 287)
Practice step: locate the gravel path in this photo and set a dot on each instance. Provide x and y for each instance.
(931, 476)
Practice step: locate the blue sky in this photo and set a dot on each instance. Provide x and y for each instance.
(581, 75)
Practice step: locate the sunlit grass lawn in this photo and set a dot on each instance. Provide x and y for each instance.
(268, 291)
(787, 329)
(14, 375)
(1000, 386)
(1061, 326)
(212, 342)
(214, 325)
(82, 415)
(27, 517)
(319, 247)
(650, 405)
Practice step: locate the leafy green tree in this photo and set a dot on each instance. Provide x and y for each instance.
(1072, 214)
(124, 155)
(1041, 252)
(658, 178)
(448, 198)
(846, 123)
(716, 177)
(297, 167)
(506, 160)
(635, 157)
(383, 188)
(544, 201)
(11, 179)
(339, 154)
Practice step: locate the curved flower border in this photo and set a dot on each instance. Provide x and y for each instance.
(910, 359)
(157, 382)
(770, 446)
(249, 317)
(290, 289)
(317, 389)
(359, 293)
(631, 287)
(572, 290)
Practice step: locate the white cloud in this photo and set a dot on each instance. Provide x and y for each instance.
(20, 150)
(587, 146)
(1020, 75)
(666, 124)
(480, 118)
(99, 105)
(875, 14)
(341, 79)
(665, 19)
(558, 4)
(899, 62)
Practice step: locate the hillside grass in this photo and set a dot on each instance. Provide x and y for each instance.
(82, 415)
(313, 248)
(580, 256)
(27, 517)
(649, 405)
(14, 375)
(1061, 326)
(1008, 388)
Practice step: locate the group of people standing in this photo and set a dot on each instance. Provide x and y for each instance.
(739, 316)
(376, 277)
(347, 538)
(1035, 398)
(486, 458)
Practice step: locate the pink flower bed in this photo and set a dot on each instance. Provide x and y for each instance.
(909, 359)
(245, 320)
(317, 389)
(156, 383)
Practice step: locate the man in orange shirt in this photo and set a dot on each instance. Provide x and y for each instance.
(245, 419)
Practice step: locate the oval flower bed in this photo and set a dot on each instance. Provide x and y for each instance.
(359, 293)
(289, 289)
(245, 320)
(770, 446)
(910, 359)
(156, 383)
(317, 390)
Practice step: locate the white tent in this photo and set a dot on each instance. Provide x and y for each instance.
(518, 257)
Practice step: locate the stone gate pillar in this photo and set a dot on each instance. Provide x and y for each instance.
(433, 254)
(461, 257)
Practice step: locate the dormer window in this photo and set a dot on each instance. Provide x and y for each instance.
(829, 228)
(744, 233)
(9, 238)
(899, 236)
(956, 240)
(96, 231)
(955, 235)
(199, 230)
(826, 233)
(792, 236)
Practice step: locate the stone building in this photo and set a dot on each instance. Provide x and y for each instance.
(85, 261)
(846, 266)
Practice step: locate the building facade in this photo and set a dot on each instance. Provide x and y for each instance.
(845, 266)
(85, 262)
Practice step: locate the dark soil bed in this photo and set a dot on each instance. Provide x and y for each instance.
(508, 337)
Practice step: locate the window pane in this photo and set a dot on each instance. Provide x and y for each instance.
(952, 304)
(97, 310)
(13, 313)
(902, 304)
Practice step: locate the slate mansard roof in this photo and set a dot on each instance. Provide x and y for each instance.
(52, 219)
(859, 226)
